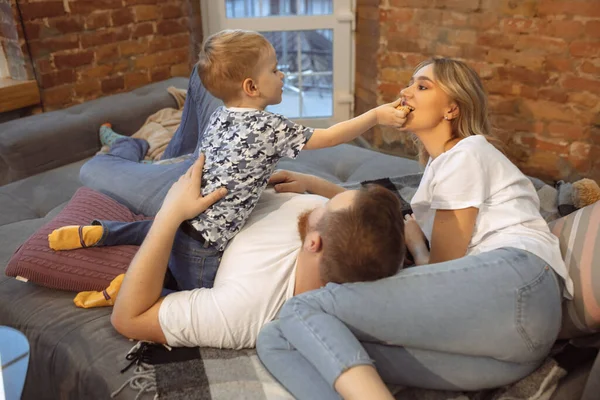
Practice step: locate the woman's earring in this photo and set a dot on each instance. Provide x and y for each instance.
(446, 118)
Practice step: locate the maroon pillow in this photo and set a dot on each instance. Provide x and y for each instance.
(75, 270)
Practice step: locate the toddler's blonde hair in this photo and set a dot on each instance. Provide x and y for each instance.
(229, 57)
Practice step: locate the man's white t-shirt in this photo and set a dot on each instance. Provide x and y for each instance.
(474, 173)
(255, 278)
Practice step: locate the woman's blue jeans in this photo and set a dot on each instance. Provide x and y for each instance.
(478, 322)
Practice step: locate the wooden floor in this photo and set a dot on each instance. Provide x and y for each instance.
(17, 94)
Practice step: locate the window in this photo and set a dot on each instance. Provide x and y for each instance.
(314, 45)
(306, 59)
(4, 71)
(266, 8)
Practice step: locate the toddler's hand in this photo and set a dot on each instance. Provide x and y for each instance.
(389, 115)
(288, 181)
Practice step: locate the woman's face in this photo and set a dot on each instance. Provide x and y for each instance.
(429, 102)
(270, 79)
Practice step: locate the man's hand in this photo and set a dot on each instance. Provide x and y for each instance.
(388, 115)
(288, 181)
(184, 200)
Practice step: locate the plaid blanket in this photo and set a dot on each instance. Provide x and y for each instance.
(213, 374)
(199, 374)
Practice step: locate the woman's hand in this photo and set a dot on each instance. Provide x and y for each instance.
(184, 200)
(288, 181)
(415, 240)
(389, 115)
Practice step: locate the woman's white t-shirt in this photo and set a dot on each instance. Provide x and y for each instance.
(474, 173)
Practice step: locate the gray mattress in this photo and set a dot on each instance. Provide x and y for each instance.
(75, 353)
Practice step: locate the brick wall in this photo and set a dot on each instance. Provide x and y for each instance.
(84, 49)
(539, 59)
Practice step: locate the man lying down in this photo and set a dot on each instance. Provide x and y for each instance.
(291, 244)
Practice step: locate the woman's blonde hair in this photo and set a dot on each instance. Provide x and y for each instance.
(462, 84)
(229, 57)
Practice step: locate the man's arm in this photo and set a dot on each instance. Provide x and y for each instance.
(135, 313)
(346, 131)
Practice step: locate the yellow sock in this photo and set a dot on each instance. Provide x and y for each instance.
(104, 298)
(68, 237)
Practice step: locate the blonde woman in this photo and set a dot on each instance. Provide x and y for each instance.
(482, 308)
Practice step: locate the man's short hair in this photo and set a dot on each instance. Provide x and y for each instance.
(365, 241)
(227, 58)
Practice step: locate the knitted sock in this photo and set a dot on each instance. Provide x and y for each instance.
(108, 136)
(104, 298)
(68, 237)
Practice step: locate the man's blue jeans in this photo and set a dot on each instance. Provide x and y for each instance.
(474, 323)
(192, 263)
(142, 188)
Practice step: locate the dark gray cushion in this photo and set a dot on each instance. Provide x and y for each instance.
(346, 163)
(35, 196)
(45, 141)
(75, 353)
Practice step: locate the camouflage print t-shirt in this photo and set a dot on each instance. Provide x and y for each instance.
(242, 147)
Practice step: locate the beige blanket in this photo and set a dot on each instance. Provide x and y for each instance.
(160, 126)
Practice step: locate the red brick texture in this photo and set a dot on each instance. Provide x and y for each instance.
(84, 49)
(539, 59)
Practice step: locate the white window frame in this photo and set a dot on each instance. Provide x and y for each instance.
(4, 70)
(341, 21)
